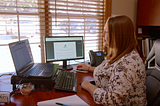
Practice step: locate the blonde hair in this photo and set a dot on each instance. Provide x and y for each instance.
(121, 37)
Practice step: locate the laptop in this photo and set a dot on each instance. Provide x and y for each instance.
(24, 63)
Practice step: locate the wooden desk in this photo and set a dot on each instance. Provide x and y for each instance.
(34, 97)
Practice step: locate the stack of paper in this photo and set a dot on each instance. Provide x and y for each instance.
(73, 100)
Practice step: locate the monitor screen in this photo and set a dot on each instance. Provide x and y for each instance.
(63, 48)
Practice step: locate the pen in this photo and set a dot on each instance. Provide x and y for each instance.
(61, 104)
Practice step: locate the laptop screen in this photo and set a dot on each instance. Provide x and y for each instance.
(21, 54)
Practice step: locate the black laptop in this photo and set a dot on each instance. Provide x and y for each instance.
(24, 63)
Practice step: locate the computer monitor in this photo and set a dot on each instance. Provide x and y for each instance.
(64, 48)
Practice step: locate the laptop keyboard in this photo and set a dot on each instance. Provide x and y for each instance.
(66, 81)
(37, 69)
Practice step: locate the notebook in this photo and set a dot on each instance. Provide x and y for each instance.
(72, 100)
(24, 63)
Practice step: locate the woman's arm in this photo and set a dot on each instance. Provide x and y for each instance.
(89, 87)
(114, 91)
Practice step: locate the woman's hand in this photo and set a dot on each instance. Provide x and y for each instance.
(83, 67)
(85, 84)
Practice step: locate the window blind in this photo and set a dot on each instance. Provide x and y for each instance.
(34, 19)
(19, 19)
(77, 18)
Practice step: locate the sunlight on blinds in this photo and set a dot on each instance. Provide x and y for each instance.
(34, 19)
(78, 18)
(19, 19)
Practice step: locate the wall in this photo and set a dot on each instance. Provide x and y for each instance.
(125, 7)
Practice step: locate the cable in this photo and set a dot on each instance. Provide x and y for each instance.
(18, 82)
(6, 74)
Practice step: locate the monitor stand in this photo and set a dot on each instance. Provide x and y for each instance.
(65, 66)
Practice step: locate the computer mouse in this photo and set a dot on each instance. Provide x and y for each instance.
(79, 70)
(79, 67)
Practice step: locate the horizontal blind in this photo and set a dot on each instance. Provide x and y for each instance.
(34, 19)
(19, 19)
(77, 18)
(21, 16)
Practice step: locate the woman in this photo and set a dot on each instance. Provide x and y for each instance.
(120, 79)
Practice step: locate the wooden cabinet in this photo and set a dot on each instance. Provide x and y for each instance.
(148, 20)
(148, 13)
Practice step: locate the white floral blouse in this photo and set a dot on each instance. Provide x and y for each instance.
(121, 83)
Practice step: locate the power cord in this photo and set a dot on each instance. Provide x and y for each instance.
(7, 74)
(14, 92)
(17, 87)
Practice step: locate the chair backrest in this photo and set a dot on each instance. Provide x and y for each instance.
(155, 51)
(153, 76)
(153, 87)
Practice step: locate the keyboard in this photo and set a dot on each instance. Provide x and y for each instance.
(36, 69)
(66, 81)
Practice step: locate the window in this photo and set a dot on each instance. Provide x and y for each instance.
(34, 19)
(19, 19)
(77, 18)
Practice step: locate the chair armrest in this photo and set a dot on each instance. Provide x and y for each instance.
(148, 63)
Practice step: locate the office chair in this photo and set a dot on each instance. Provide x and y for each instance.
(153, 75)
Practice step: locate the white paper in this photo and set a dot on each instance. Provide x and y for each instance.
(73, 100)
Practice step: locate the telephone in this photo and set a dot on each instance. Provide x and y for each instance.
(96, 57)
